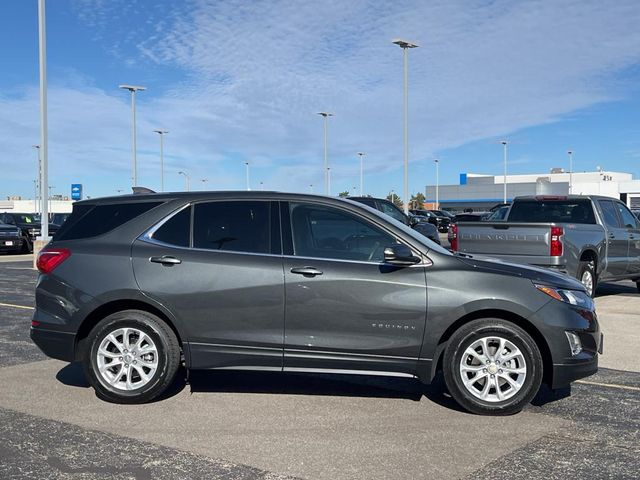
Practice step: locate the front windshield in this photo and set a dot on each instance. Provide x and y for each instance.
(26, 218)
(429, 244)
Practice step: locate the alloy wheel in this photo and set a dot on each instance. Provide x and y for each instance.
(493, 369)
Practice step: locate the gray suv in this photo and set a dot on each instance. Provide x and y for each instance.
(134, 286)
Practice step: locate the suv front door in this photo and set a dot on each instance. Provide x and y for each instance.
(217, 266)
(345, 308)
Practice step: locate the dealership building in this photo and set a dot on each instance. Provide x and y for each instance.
(481, 192)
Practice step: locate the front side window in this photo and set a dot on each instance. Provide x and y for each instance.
(325, 232)
(235, 226)
(609, 215)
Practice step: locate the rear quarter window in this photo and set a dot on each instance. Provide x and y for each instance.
(88, 221)
(556, 211)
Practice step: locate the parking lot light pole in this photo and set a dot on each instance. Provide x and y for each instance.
(133, 89)
(504, 145)
(405, 45)
(36, 203)
(327, 181)
(361, 155)
(570, 152)
(162, 133)
(311, 188)
(44, 171)
(437, 183)
(186, 178)
(204, 183)
(246, 164)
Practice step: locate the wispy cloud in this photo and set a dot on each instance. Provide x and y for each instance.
(258, 71)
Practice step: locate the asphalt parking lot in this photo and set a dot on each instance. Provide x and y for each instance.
(268, 426)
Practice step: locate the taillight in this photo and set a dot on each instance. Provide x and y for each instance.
(555, 246)
(50, 258)
(453, 237)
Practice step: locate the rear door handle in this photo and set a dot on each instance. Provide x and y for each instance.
(306, 271)
(165, 260)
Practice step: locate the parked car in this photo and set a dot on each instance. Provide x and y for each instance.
(133, 285)
(29, 225)
(591, 238)
(444, 213)
(498, 214)
(388, 208)
(10, 238)
(636, 213)
(441, 222)
(469, 217)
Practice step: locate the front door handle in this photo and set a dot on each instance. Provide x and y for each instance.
(166, 260)
(306, 271)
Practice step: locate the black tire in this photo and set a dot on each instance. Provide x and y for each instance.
(168, 356)
(638, 285)
(588, 268)
(476, 330)
(27, 246)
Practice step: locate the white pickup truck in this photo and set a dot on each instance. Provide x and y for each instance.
(591, 238)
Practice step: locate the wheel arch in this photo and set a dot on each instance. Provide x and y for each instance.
(526, 325)
(106, 309)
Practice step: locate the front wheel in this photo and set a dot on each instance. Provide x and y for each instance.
(132, 357)
(492, 367)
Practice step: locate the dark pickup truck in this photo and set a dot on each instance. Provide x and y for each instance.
(591, 238)
(29, 225)
(10, 238)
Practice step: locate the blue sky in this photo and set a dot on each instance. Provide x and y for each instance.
(238, 81)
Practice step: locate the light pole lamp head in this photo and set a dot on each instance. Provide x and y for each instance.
(362, 154)
(503, 142)
(325, 114)
(404, 43)
(132, 88)
(570, 152)
(161, 132)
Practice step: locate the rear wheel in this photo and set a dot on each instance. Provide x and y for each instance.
(587, 275)
(132, 357)
(492, 367)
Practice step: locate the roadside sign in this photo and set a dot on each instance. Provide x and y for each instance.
(76, 191)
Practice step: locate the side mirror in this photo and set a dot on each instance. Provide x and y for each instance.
(400, 255)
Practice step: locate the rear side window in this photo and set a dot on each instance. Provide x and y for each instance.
(235, 226)
(176, 230)
(88, 221)
(558, 211)
(609, 215)
(628, 219)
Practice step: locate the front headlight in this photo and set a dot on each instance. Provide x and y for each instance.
(572, 297)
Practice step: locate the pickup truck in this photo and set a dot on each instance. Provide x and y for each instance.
(591, 238)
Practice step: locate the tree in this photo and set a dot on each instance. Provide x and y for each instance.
(395, 199)
(344, 194)
(417, 201)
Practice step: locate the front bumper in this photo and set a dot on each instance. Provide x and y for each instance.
(54, 344)
(10, 243)
(553, 320)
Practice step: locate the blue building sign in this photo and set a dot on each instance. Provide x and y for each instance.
(76, 191)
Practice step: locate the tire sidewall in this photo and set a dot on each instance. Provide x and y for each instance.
(461, 340)
(108, 325)
(588, 267)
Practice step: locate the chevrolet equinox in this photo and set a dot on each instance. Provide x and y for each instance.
(135, 286)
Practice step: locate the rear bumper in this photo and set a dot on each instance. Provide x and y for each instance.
(54, 344)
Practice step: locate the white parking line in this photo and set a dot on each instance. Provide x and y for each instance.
(11, 305)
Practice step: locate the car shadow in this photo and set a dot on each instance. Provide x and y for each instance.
(617, 288)
(284, 383)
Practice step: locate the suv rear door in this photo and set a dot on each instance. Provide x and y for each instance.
(218, 267)
(346, 309)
